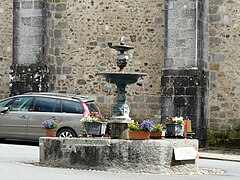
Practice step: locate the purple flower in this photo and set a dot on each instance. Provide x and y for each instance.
(50, 124)
(147, 125)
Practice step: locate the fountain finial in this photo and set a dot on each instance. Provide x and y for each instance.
(122, 40)
(122, 58)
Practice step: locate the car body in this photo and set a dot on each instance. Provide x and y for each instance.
(22, 115)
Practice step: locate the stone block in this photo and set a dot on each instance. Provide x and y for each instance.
(60, 7)
(158, 20)
(179, 91)
(153, 99)
(188, 14)
(192, 91)
(26, 21)
(213, 66)
(57, 33)
(37, 21)
(180, 101)
(62, 25)
(165, 81)
(16, 5)
(179, 81)
(215, 2)
(26, 4)
(213, 9)
(115, 155)
(167, 91)
(214, 18)
(218, 57)
(39, 4)
(67, 70)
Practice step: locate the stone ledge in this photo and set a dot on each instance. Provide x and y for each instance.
(115, 155)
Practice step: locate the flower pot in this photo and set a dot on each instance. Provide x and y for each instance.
(138, 134)
(51, 132)
(175, 130)
(95, 128)
(157, 135)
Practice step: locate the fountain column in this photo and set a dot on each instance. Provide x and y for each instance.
(120, 112)
(184, 79)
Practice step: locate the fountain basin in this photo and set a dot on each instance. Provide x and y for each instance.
(121, 77)
(116, 155)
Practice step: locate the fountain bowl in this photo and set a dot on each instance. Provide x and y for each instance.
(122, 77)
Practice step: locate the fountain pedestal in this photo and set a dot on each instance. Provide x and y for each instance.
(120, 111)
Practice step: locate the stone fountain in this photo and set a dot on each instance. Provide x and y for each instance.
(119, 154)
(120, 111)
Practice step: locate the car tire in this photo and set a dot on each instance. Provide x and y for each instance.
(66, 133)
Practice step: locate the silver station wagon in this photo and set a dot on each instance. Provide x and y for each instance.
(22, 115)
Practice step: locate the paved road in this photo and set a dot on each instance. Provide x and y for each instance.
(15, 164)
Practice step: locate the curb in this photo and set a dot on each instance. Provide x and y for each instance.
(222, 157)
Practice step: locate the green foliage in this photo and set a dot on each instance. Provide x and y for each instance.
(224, 139)
(157, 127)
(134, 126)
(180, 122)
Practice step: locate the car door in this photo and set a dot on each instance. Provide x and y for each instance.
(72, 112)
(44, 108)
(13, 123)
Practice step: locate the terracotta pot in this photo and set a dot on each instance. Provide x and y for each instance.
(157, 135)
(138, 134)
(51, 132)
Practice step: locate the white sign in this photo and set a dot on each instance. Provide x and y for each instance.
(186, 153)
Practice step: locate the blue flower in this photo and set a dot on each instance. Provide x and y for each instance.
(147, 125)
(50, 124)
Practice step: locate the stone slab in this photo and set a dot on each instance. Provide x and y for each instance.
(115, 155)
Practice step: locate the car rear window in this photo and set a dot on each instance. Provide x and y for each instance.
(92, 107)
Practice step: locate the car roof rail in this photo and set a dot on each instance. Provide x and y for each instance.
(79, 97)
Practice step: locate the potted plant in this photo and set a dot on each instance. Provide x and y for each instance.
(94, 124)
(141, 131)
(175, 126)
(157, 132)
(50, 126)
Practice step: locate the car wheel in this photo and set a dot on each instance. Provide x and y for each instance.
(66, 133)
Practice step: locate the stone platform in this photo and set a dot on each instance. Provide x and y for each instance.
(115, 155)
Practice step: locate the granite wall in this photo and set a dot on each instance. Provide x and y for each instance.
(6, 35)
(224, 67)
(78, 33)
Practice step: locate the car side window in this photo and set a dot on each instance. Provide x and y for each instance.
(72, 107)
(43, 104)
(5, 103)
(20, 104)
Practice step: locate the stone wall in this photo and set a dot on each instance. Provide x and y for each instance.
(6, 35)
(77, 47)
(224, 67)
(185, 75)
(29, 30)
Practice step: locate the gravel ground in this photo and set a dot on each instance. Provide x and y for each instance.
(175, 170)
